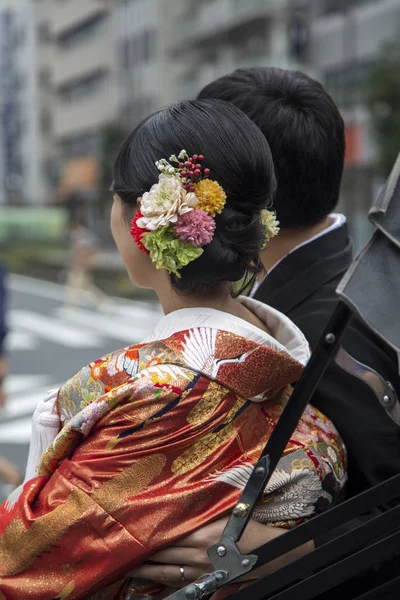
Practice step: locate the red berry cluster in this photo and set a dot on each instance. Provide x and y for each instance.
(192, 171)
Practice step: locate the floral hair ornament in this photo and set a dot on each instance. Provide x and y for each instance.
(176, 217)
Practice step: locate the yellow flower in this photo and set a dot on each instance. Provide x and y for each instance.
(211, 196)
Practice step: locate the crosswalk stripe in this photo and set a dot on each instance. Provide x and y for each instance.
(24, 394)
(115, 328)
(25, 404)
(54, 330)
(20, 340)
(55, 291)
(36, 287)
(150, 313)
(21, 383)
(16, 432)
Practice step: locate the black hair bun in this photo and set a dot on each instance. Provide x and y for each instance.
(238, 158)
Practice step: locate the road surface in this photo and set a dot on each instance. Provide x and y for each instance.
(47, 346)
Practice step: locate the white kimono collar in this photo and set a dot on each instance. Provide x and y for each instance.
(285, 335)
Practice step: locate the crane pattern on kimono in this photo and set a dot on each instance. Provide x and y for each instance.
(199, 352)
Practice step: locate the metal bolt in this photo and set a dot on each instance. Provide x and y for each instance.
(245, 563)
(330, 338)
(191, 593)
(386, 399)
(221, 550)
(241, 510)
(260, 471)
(220, 576)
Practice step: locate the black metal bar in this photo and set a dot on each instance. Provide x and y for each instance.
(381, 494)
(327, 554)
(330, 577)
(289, 419)
(388, 591)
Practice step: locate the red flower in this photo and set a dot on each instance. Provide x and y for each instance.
(137, 232)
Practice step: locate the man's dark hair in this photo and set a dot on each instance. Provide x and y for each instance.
(304, 130)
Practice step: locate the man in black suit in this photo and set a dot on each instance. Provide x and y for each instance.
(304, 264)
(306, 261)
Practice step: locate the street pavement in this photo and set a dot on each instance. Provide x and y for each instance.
(47, 345)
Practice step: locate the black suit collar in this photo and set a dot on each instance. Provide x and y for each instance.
(306, 269)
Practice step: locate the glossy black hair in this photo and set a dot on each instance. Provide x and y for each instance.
(304, 130)
(239, 159)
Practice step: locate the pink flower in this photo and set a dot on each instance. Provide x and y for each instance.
(196, 227)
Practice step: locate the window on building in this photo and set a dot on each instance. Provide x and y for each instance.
(50, 171)
(149, 40)
(45, 120)
(83, 88)
(87, 144)
(44, 32)
(44, 77)
(83, 32)
(340, 6)
(19, 36)
(347, 83)
(133, 111)
(138, 49)
(249, 47)
(249, 44)
(20, 80)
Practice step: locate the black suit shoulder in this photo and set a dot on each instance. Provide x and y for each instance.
(303, 286)
(371, 437)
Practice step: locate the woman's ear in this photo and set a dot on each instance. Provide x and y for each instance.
(139, 201)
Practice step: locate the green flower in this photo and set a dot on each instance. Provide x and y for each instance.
(169, 252)
(270, 225)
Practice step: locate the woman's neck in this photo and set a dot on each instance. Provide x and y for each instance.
(171, 301)
(218, 300)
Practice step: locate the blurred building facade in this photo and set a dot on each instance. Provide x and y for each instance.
(145, 36)
(24, 111)
(347, 36)
(218, 36)
(84, 86)
(70, 68)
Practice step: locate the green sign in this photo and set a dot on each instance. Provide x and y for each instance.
(32, 223)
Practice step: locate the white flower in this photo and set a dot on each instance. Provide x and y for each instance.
(182, 154)
(164, 203)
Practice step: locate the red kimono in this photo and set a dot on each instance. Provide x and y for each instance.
(157, 440)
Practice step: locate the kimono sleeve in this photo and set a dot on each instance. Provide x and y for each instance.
(132, 486)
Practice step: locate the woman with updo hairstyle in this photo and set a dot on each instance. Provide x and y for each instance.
(153, 441)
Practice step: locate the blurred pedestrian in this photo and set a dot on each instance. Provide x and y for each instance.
(80, 269)
(9, 473)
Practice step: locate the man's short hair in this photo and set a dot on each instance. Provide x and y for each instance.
(304, 130)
